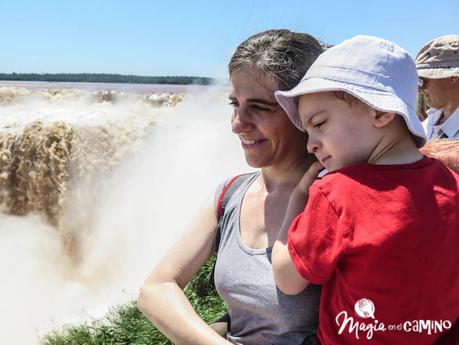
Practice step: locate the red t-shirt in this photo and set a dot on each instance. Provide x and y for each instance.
(387, 236)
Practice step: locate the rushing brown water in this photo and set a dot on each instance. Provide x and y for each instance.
(43, 165)
(95, 185)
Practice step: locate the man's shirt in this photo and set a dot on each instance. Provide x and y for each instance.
(448, 129)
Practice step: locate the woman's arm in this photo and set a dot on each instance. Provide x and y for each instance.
(162, 299)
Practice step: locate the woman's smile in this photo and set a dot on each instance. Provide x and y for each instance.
(252, 144)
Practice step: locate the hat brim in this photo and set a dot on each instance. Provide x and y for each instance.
(377, 99)
(438, 73)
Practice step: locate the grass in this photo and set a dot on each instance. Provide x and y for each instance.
(125, 325)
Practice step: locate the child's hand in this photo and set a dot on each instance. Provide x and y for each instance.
(308, 178)
(287, 278)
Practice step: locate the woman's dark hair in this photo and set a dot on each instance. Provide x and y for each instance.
(281, 54)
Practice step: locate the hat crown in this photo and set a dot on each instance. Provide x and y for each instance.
(368, 61)
(441, 52)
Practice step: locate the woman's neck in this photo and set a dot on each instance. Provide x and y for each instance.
(286, 175)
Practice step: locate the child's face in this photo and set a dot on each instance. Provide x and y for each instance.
(340, 134)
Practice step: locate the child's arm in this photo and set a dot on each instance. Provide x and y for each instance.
(287, 278)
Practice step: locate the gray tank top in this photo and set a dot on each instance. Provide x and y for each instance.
(260, 313)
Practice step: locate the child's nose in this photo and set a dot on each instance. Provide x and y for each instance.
(313, 144)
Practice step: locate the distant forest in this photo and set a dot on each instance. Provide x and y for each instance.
(105, 78)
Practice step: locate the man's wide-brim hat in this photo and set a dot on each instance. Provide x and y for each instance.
(439, 58)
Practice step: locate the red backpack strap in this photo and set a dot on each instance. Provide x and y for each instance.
(225, 195)
(222, 194)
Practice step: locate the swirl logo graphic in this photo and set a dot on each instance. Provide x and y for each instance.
(365, 308)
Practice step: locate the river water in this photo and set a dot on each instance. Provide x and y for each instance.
(96, 182)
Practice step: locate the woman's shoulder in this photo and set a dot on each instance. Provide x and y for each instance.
(231, 184)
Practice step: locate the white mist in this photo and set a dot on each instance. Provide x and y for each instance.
(146, 205)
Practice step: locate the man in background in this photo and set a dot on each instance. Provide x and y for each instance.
(438, 68)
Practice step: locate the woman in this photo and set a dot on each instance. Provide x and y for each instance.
(260, 313)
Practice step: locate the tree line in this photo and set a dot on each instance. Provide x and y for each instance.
(105, 78)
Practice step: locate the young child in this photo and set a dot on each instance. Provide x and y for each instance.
(380, 230)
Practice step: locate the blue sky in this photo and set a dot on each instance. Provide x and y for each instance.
(194, 37)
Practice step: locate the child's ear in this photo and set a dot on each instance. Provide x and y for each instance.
(382, 119)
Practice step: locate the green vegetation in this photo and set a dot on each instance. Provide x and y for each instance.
(105, 78)
(125, 325)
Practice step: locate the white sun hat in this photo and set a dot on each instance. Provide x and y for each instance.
(376, 71)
